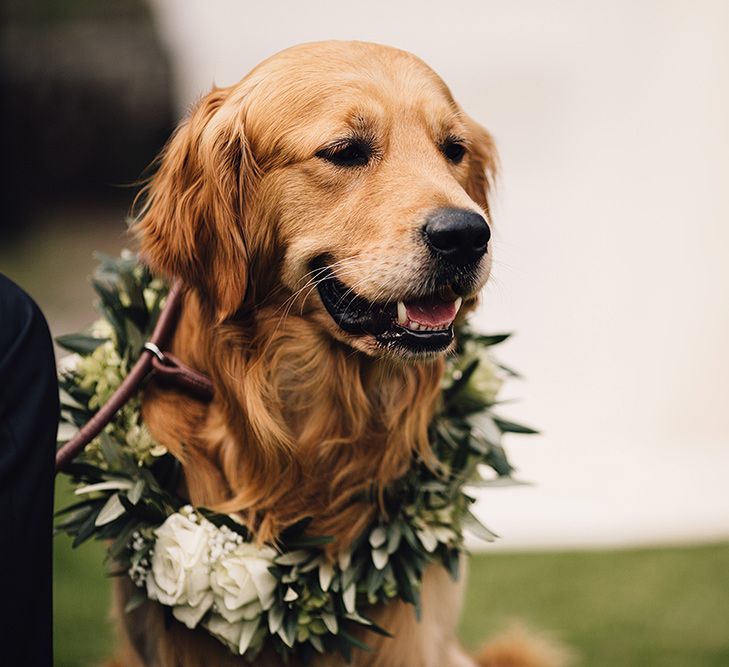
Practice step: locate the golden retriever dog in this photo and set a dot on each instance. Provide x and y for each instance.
(334, 173)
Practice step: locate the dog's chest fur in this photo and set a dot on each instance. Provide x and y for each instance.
(300, 426)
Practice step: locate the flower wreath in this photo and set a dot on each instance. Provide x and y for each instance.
(203, 566)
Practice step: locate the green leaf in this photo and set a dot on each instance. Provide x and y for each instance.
(326, 574)
(296, 530)
(121, 542)
(77, 517)
(410, 537)
(374, 580)
(393, 537)
(452, 563)
(373, 627)
(349, 596)
(498, 482)
(380, 558)
(135, 493)
(512, 427)
(353, 573)
(117, 323)
(509, 371)
(444, 430)
(345, 648)
(79, 343)
(479, 444)
(306, 541)
(286, 638)
(292, 557)
(474, 525)
(111, 450)
(246, 637)
(378, 537)
(134, 291)
(111, 511)
(316, 643)
(492, 339)
(87, 528)
(462, 382)
(496, 458)
(355, 642)
(109, 296)
(135, 338)
(330, 620)
(275, 618)
(405, 587)
(70, 508)
(136, 599)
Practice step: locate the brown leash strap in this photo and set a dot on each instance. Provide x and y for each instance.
(152, 359)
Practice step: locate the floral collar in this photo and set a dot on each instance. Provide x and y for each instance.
(204, 566)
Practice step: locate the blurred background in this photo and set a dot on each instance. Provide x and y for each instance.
(612, 219)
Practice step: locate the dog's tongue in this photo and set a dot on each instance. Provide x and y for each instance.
(431, 311)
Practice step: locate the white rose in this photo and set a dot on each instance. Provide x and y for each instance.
(242, 584)
(180, 572)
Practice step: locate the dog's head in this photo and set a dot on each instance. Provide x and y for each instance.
(341, 177)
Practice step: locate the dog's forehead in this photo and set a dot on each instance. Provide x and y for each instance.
(307, 95)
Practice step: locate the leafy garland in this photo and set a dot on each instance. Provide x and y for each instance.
(203, 566)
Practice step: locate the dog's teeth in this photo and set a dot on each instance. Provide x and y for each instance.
(414, 326)
(459, 301)
(402, 314)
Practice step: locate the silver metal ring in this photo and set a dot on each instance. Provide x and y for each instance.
(155, 351)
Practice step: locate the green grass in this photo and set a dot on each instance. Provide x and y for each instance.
(662, 607)
(82, 630)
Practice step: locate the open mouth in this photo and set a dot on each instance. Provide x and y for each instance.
(418, 325)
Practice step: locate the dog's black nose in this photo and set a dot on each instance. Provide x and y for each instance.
(457, 235)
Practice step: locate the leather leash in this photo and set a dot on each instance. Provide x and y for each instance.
(151, 360)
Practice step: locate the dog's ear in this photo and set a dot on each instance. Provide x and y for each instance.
(483, 163)
(191, 221)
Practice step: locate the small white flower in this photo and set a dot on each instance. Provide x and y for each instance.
(69, 363)
(101, 372)
(102, 329)
(242, 585)
(487, 378)
(150, 296)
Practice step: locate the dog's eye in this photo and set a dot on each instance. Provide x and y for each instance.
(347, 154)
(454, 150)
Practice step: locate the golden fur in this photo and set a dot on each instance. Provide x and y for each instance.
(305, 417)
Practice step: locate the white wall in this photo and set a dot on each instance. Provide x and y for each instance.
(613, 230)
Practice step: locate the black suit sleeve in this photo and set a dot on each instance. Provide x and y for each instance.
(28, 421)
